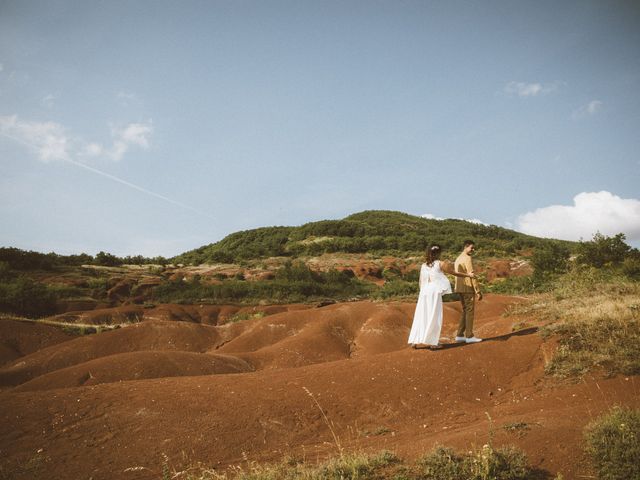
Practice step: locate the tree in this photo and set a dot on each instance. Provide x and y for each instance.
(107, 260)
(603, 250)
(552, 258)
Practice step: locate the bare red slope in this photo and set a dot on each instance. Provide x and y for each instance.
(18, 338)
(121, 430)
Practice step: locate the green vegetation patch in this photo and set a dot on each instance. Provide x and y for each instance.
(595, 316)
(486, 463)
(613, 444)
(376, 232)
(293, 283)
(597, 328)
(506, 463)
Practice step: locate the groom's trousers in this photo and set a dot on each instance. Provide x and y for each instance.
(465, 327)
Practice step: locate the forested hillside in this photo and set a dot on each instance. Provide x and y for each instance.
(377, 232)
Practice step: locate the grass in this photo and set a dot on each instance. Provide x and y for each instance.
(72, 328)
(486, 463)
(442, 463)
(613, 444)
(595, 317)
(242, 316)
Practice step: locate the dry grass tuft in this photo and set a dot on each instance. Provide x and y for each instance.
(596, 320)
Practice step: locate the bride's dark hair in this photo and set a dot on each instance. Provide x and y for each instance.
(433, 253)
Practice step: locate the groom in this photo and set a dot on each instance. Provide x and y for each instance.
(467, 288)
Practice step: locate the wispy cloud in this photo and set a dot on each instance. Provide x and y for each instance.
(591, 108)
(524, 89)
(134, 134)
(50, 142)
(591, 212)
(49, 100)
(126, 98)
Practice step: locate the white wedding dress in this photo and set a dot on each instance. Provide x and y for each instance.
(427, 319)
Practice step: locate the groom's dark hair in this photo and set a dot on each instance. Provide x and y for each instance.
(467, 243)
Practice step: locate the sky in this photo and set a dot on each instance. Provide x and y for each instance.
(156, 127)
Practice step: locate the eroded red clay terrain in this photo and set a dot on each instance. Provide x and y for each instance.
(185, 382)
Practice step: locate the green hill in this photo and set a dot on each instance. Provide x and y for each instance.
(377, 232)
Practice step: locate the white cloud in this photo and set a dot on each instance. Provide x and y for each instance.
(48, 139)
(430, 216)
(51, 142)
(137, 134)
(126, 98)
(134, 134)
(523, 89)
(587, 110)
(93, 150)
(1, 67)
(48, 100)
(591, 212)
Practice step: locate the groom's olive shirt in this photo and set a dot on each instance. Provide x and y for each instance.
(463, 264)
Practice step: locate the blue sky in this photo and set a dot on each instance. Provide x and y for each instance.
(154, 127)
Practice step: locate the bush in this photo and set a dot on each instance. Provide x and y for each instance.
(295, 282)
(486, 463)
(524, 285)
(397, 288)
(551, 258)
(107, 260)
(613, 444)
(442, 464)
(23, 296)
(603, 250)
(631, 266)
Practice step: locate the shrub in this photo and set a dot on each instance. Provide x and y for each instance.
(594, 313)
(631, 266)
(603, 250)
(107, 260)
(553, 258)
(23, 296)
(442, 463)
(522, 285)
(613, 444)
(397, 288)
(292, 283)
(486, 463)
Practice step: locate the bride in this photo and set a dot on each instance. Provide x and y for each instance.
(427, 319)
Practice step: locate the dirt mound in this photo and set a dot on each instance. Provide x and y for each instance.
(137, 366)
(291, 338)
(214, 314)
(335, 332)
(205, 314)
(178, 336)
(342, 331)
(355, 378)
(19, 338)
(502, 269)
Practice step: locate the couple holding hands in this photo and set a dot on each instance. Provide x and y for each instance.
(427, 319)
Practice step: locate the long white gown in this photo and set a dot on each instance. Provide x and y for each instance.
(427, 319)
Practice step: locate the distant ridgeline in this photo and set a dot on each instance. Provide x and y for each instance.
(378, 232)
(17, 259)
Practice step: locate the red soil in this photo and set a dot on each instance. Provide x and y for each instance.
(206, 314)
(220, 394)
(19, 338)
